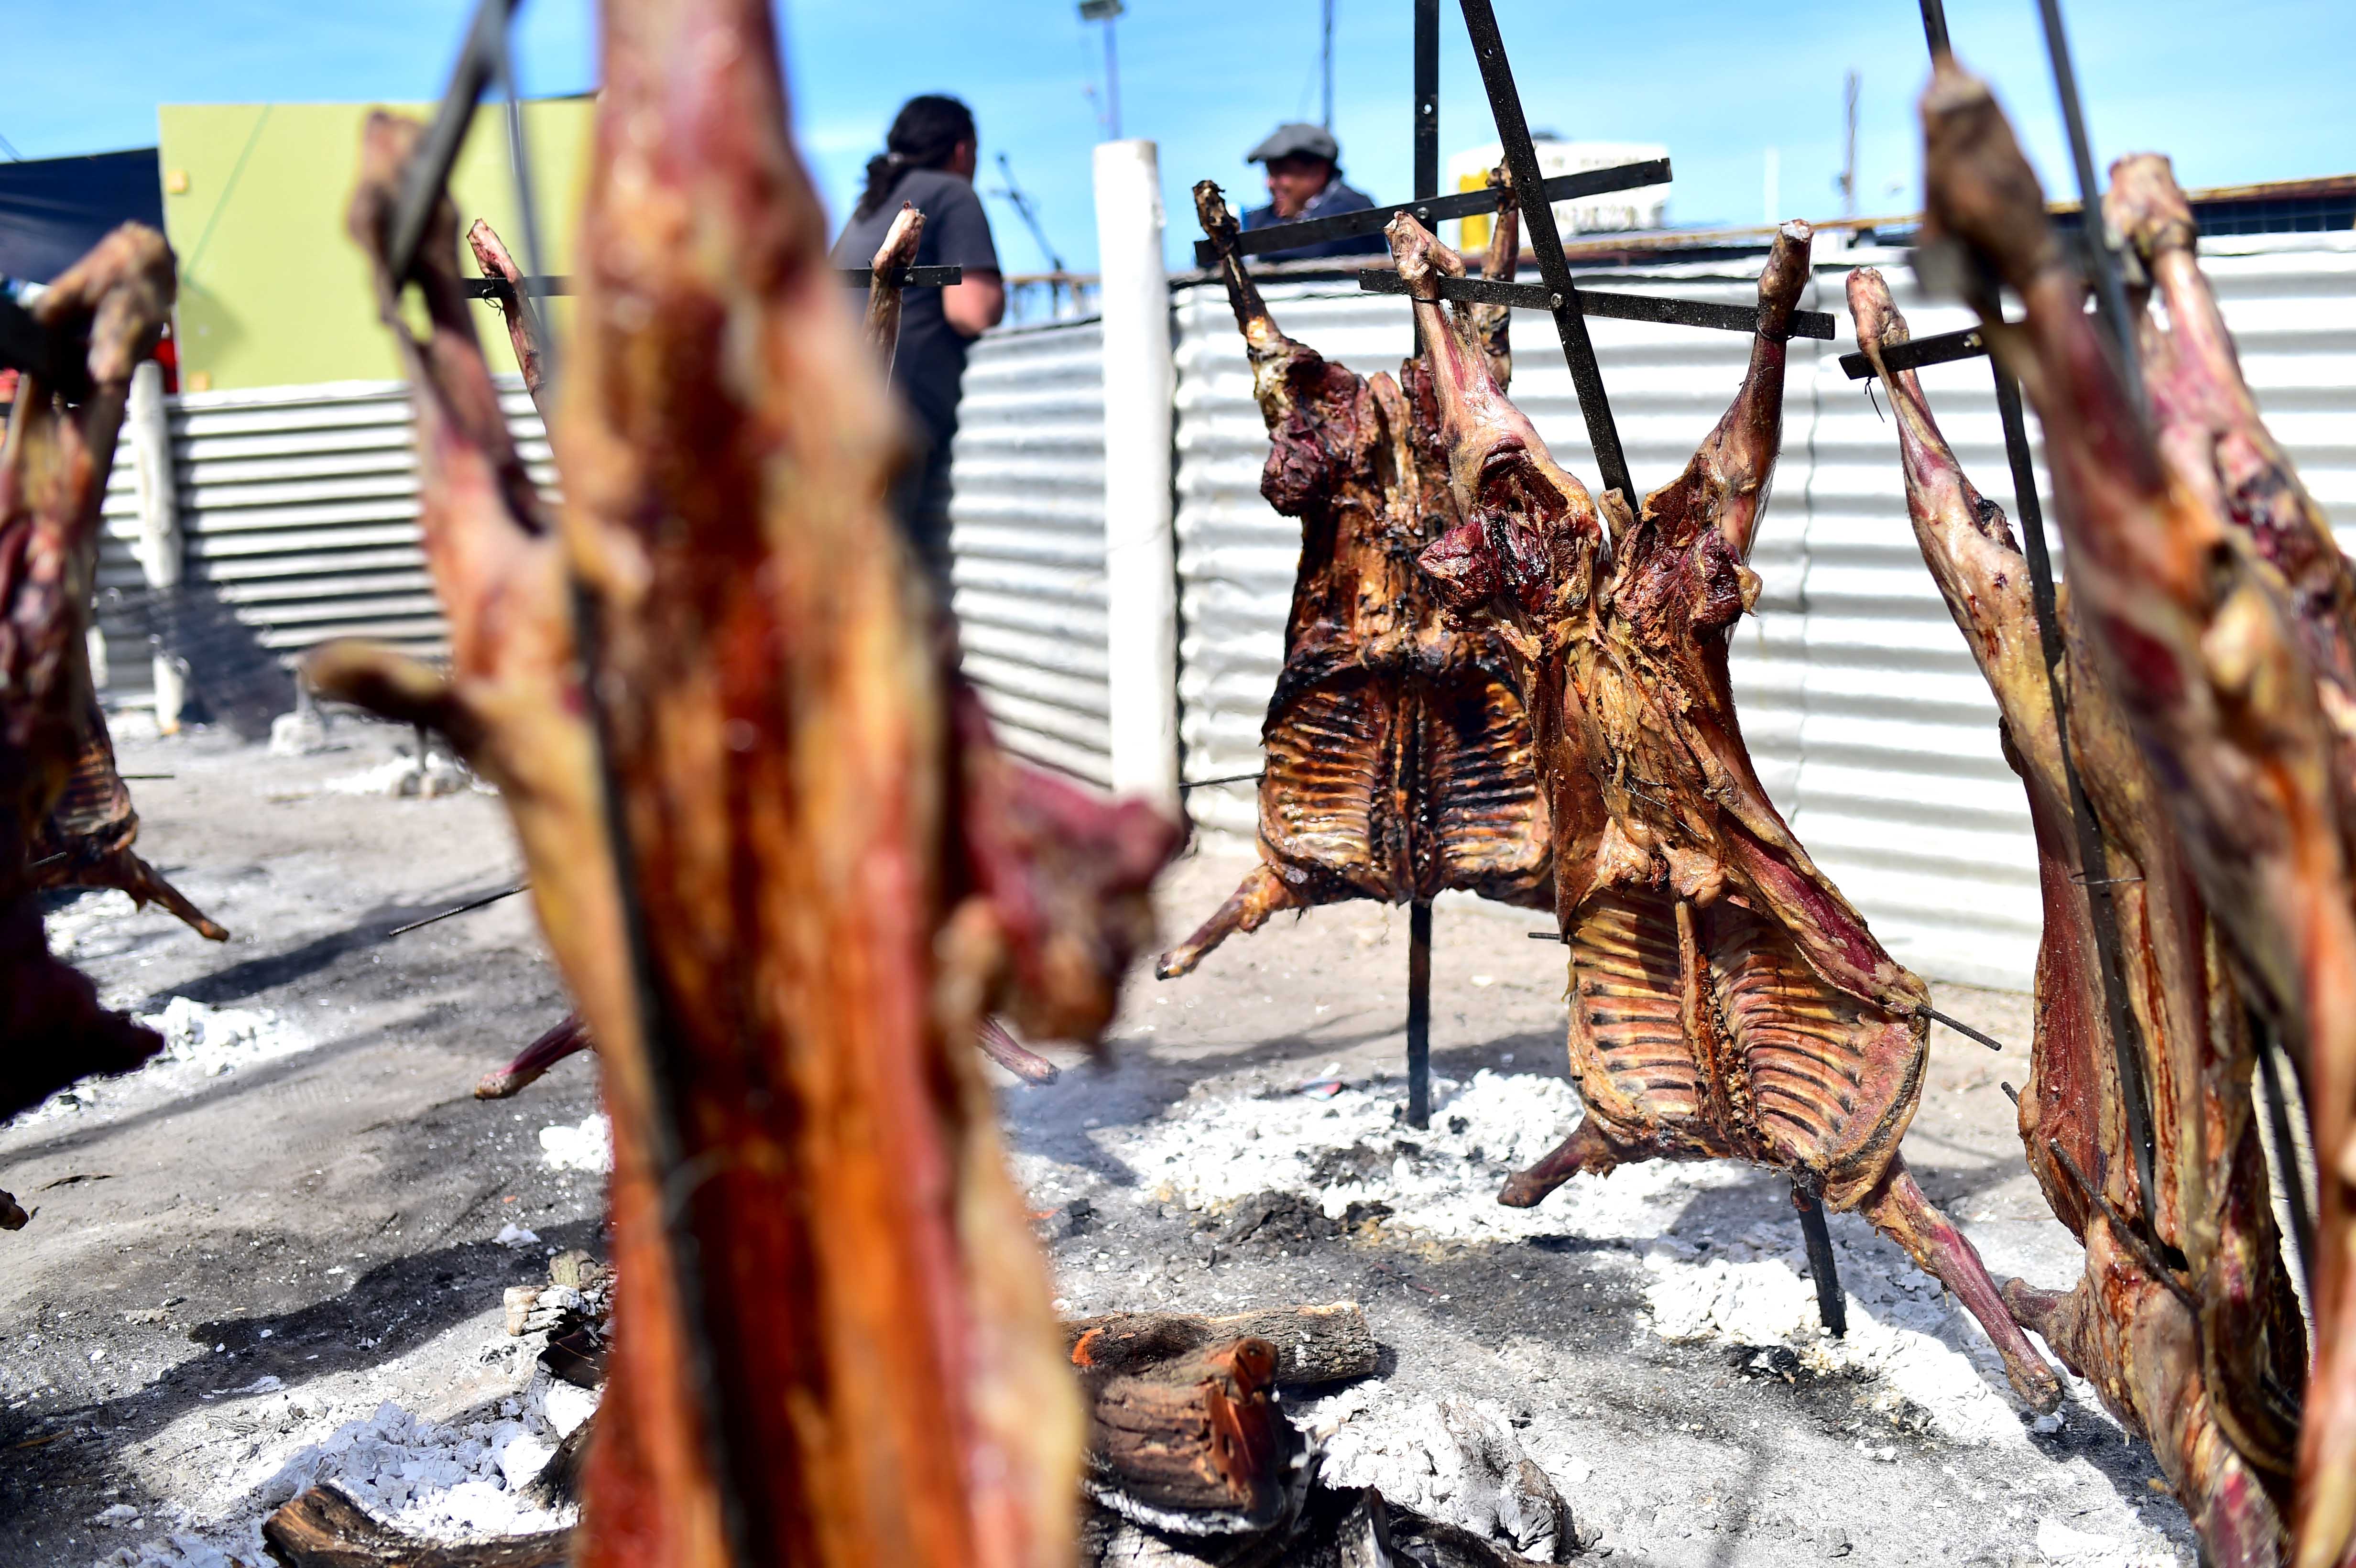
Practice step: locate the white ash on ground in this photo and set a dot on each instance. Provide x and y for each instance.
(452, 1477)
(586, 1148)
(1344, 1147)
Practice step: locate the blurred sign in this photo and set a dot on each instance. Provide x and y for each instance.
(1646, 206)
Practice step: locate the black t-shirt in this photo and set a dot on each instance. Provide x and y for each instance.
(930, 362)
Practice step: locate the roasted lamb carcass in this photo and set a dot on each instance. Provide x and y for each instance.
(1398, 755)
(2201, 1359)
(52, 479)
(1726, 1000)
(86, 840)
(1026, 887)
(2200, 639)
(822, 932)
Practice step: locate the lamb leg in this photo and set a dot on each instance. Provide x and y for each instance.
(1588, 1151)
(884, 300)
(522, 319)
(568, 1035)
(1261, 893)
(1899, 1209)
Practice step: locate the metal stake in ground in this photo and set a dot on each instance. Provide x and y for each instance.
(1419, 1014)
(1832, 1302)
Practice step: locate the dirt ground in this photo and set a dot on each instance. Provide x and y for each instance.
(225, 1267)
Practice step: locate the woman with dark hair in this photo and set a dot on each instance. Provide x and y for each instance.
(928, 160)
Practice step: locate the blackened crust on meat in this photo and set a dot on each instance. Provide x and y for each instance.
(1727, 1001)
(1398, 748)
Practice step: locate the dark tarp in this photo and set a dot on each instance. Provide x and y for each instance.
(54, 210)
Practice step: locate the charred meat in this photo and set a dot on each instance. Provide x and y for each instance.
(1398, 753)
(2207, 644)
(52, 479)
(2199, 1359)
(1726, 1002)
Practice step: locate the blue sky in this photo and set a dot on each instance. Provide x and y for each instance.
(2254, 92)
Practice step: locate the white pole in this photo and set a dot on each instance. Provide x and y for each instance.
(160, 521)
(1140, 390)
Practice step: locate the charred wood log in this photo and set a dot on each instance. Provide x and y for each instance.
(1196, 1443)
(325, 1528)
(2214, 664)
(1727, 1001)
(53, 471)
(838, 875)
(1313, 1344)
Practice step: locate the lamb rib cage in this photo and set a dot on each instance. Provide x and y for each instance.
(1398, 754)
(1727, 1001)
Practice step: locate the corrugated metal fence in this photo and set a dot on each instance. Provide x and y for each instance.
(1027, 530)
(1871, 728)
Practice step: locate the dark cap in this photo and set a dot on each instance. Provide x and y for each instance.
(1297, 137)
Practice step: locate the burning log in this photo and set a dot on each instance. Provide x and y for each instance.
(1398, 749)
(838, 875)
(52, 479)
(1727, 1001)
(2194, 1364)
(323, 1528)
(2202, 641)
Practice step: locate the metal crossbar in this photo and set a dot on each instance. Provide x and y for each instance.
(1614, 306)
(1431, 209)
(857, 277)
(1943, 349)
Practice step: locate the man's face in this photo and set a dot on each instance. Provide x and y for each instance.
(1293, 179)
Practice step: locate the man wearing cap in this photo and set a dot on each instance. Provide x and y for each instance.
(1304, 181)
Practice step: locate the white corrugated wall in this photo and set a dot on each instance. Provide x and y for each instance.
(298, 506)
(1870, 726)
(1027, 535)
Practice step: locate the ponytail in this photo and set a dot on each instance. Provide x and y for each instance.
(924, 134)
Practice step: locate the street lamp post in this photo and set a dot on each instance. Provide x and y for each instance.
(1104, 11)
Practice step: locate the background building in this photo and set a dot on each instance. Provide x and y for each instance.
(273, 291)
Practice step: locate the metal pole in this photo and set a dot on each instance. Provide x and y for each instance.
(1427, 111)
(1325, 61)
(2101, 262)
(1419, 1014)
(2094, 860)
(1537, 218)
(1832, 1305)
(1935, 28)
